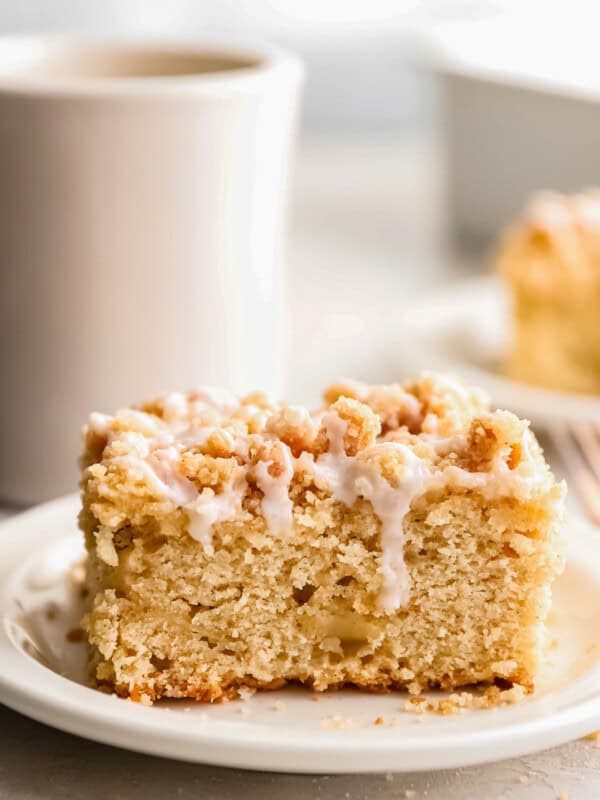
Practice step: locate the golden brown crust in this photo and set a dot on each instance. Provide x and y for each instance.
(219, 693)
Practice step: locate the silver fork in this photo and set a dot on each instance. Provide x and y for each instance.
(578, 445)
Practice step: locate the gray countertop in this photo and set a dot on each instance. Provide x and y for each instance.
(365, 234)
(39, 762)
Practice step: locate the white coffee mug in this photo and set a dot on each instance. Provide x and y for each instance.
(141, 205)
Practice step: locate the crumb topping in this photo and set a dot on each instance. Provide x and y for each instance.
(557, 238)
(214, 457)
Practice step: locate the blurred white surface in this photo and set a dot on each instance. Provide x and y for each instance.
(360, 77)
(141, 223)
(521, 108)
(515, 49)
(366, 234)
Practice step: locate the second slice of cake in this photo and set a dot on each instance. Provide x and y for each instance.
(400, 536)
(550, 261)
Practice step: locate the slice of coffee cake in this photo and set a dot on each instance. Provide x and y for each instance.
(550, 261)
(400, 536)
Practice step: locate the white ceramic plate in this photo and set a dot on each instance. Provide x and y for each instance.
(463, 329)
(41, 675)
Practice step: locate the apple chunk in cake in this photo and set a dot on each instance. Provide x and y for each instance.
(399, 536)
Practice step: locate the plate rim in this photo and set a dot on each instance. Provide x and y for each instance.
(36, 691)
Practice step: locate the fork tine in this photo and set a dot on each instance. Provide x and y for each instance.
(585, 482)
(587, 439)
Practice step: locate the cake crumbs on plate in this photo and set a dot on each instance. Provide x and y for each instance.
(563, 796)
(338, 722)
(278, 705)
(389, 777)
(378, 721)
(523, 779)
(409, 793)
(142, 700)
(459, 702)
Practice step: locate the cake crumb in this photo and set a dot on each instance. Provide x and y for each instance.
(51, 612)
(410, 793)
(563, 796)
(338, 722)
(416, 705)
(389, 777)
(458, 703)
(523, 779)
(378, 721)
(278, 705)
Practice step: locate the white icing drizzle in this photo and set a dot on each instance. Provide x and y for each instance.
(499, 481)
(349, 478)
(215, 397)
(549, 211)
(157, 469)
(155, 462)
(98, 423)
(175, 406)
(179, 405)
(587, 209)
(258, 416)
(276, 503)
(163, 462)
(555, 212)
(209, 508)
